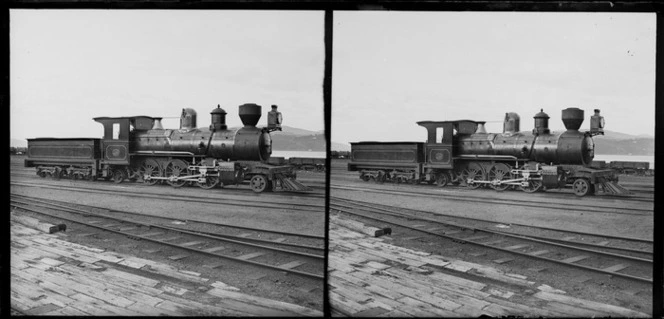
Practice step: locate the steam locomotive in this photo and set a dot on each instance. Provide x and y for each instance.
(466, 154)
(139, 148)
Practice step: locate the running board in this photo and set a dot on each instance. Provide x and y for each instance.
(614, 189)
(287, 184)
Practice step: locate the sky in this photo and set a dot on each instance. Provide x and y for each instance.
(69, 66)
(392, 69)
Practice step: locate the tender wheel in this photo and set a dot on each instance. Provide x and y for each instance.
(533, 186)
(259, 183)
(150, 167)
(472, 171)
(119, 175)
(211, 181)
(499, 172)
(442, 179)
(365, 178)
(42, 174)
(581, 187)
(58, 174)
(176, 168)
(381, 177)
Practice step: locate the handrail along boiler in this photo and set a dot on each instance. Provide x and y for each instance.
(468, 155)
(139, 148)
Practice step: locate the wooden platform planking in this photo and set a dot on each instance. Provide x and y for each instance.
(51, 276)
(367, 275)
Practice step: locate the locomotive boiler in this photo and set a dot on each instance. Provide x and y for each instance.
(466, 154)
(139, 148)
(248, 143)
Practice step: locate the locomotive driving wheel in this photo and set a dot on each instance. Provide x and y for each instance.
(260, 183)
(499, 172)
(533, 186)
(211, 181)
(176, 168)
(150, 167)
(472, 171)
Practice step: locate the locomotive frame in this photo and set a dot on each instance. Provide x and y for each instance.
(139, 149)
(468, 155)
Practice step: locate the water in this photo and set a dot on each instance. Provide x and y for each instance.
(627, 158)
(308, 154)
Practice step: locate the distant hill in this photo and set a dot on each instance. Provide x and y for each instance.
(607, 145)
(18, 143)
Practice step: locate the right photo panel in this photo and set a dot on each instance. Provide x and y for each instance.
(492, 163)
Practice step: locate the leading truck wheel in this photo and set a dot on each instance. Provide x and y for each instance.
(259, 183)
(581, 187)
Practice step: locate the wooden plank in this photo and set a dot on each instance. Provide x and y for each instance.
(616, 268)
(172, 238)
(574, 259)
(224, 286)
(37, 224)
(178, 257)
(515, 247)
(457, 280)
(214, 249)
(191, 243)
(283, 307)
(539, 252)
(220, 308)
(114, 283)
(360, 227)
(153, 234)
(503, 260)
(603, 243)
(170, 271)
(490, 243)
(591, 305)
(67, 312)
(292, 264)
(100, 307)
(344, 305)
(43, 309)
(372, 312)
(418, 308)
(250, 256)
(475, 238)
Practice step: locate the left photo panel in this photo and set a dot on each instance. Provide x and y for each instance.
(167, 162)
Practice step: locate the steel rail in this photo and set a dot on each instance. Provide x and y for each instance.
(261, 240)
(641, 279)
(190, 220)
(524, 203)
(302, 273)
(183, 231)
(641, 240)
(520, 237)
(179, 197)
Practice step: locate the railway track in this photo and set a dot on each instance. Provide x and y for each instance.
(254, 248)
(538, 202)
(270, 201)
(629, 258)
